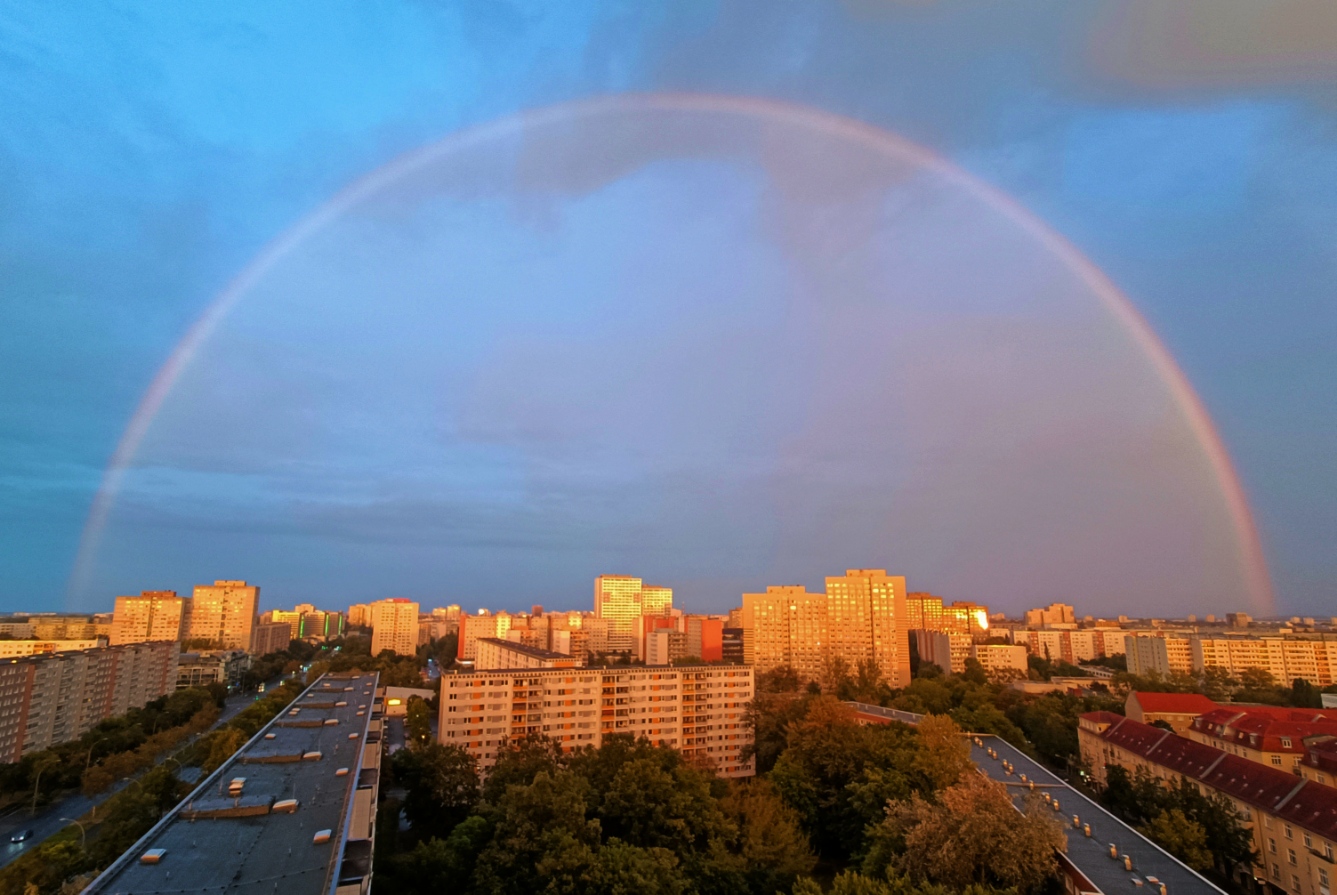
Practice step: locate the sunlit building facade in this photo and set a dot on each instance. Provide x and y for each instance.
(394, 626)
(623, 600)
(866, 621)
(786, 625)
(224, 613)
(699, 710)
(153, 615)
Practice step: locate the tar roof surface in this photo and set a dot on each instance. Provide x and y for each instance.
(1091, 855)
(272, 852)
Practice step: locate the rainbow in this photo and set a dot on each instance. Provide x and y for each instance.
(1253, 562)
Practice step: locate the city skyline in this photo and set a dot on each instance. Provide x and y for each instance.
(1082, 232)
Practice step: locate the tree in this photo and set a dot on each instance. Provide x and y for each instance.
(1181, 837)
(971, 835)
(442, 784)
(1305, 695)
(829, 767)
(771, 842)
(519, 762)
(622, 869)
(418, 721)
(543, 841)
(942, 754)
(654, 806)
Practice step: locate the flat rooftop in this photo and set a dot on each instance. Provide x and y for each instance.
(534, 651)
(216, 841)
(1091, 855)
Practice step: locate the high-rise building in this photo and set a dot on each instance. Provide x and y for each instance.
(865, 621)
(153, 615)
(623, 601)
(1053, 614)
(698, 710)
(271, 637)
(57, 697)
(475, 627)
(949, 651)
(923, 612)
(1163, 654)
(705, 637)
(394, 626)
(786, 625)
(224, 614)
(359, 615)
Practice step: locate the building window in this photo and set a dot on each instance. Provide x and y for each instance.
(1276, 760)
(1289, 832)
(1290, 857)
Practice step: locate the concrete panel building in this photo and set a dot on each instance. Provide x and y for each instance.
(153, 615)
(698, 710)
(224, 613)
(293, 811)
(53, 698)
(394, 626)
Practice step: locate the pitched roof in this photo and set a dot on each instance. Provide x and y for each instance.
(1173, 703)
(1305, 803)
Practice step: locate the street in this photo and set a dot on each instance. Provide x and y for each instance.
(50, 819)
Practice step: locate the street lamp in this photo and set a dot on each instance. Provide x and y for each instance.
(89, 761)
(83, 834)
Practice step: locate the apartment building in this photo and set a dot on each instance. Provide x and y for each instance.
(70, 627)
(394, 626)
(698, 710)
(948, 651)
(1073, 646)
(866, 621)
(1285, 658)
(1001, 659)
(206, 667)
(57, 697)
(224, 613)
(786, 625)
(153, 615)
(928, 613)
(1269, 735)
(474, 628)
(1053, 614)
(1164, 654)
(494, 654)
(666, 646)
(623, 600)
(10, 649)
(1293, 821)
(270, 637)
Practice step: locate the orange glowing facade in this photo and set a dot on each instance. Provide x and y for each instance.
(623, 600)
(701, 711)
(225, 613)
(866, 621)
(786, 625)
(153, 615)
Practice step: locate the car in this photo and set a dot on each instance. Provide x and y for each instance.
(20, 835)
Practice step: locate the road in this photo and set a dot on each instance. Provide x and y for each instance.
(50, 819)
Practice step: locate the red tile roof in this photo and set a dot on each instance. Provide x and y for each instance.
(1174, 703)
(1304, 803)
(1274, 731)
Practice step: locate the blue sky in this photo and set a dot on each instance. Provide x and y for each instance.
(147, 153)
